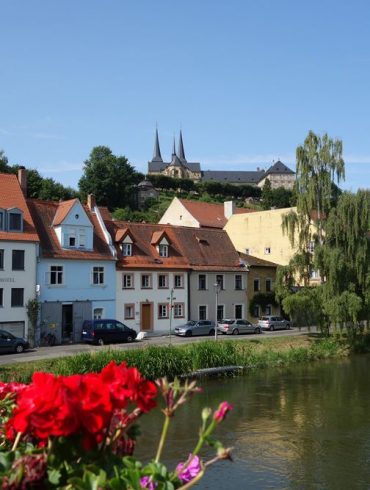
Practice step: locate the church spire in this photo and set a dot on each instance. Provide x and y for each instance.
(181, 152)
(174, 147)
(157, 157)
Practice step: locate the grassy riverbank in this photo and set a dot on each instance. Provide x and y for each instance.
(169, 361)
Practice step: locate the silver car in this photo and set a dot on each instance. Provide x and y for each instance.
(271, 323)
(201, 327)
(231, 326)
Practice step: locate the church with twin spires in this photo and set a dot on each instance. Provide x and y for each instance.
(179, 167)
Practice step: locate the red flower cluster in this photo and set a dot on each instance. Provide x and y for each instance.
(79, 404)
(6, 388)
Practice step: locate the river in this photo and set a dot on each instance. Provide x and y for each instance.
(306, 427)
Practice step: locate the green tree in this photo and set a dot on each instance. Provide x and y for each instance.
(4, 167)
(266, 195)
(319, 162)
(111, 178)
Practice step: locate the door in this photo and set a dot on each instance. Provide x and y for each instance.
(146, 316)
(202, 328)
(67, 322)
(51, 319)
(82, 310)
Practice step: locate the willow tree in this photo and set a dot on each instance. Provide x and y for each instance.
(344, 259)
(319, 164)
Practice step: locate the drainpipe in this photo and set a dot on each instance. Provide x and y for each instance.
(189, 311)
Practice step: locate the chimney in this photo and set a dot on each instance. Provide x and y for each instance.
(91, 202)
(229, 209)
(22, 179)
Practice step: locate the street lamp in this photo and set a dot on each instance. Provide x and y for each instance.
(171, 298)
(217, 287)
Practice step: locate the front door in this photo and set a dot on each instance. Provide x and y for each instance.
(67, 322)
(146, 316)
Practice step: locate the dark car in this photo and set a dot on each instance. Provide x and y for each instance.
(10, 343)
(106, 332)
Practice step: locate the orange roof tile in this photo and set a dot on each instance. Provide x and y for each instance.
(43, 213)
(63, 209)
(256, 262)
(210, 214)
(190, 248)
(11, 196)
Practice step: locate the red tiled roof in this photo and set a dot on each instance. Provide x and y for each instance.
(11, 196)
(156, 237)
(256, 262)
(105, 213)
(190, 248)
(210, 214)
(63, 209)
(44, 212)
(120, 234)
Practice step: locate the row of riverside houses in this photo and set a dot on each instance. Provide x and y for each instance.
(81, 264)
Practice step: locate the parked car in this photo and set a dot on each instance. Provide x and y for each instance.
(231, 326)
(201, 327)
(106, 332)
(10, 343)
(270, 322)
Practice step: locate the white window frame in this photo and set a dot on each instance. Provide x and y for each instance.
(82, 238)
(163, 311)
(241, 282)
(130, 306)
(206, 309)
(166, 281)
(267, 250)
(58, 274)
(18, 213)
(178, 310)
(181, 276)
(127, 249)
(125, 281)
(95, 317)
(149, 286)
(163, 250)
(99, 273)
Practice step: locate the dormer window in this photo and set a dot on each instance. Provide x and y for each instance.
(127, 249)
(15, 221)
(163, 250)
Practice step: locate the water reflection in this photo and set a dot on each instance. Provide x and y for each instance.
(307, 427)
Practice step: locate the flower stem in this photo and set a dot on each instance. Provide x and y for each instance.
(16, 442)
(163, 438)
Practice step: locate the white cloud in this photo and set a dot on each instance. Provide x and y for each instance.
(5, 132)
(47, 136)
(62, 166)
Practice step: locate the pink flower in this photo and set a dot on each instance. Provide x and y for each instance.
(146, 482)
(221, 412)
(191, 469)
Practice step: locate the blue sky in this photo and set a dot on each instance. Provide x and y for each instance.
(245, 80)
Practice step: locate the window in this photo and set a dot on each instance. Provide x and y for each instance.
(82, 238)
(1, 258)
(129, 311)
(268, 310)
(15, 221)
(56, 274)
(146, 281)
(202, 312)
(71, 241)
(98, 313)
(1, 297)
(162, 310)
(127, 281)
(238, 309)
(2, 219)
(247, 251)
(311, 246)
(202, 281)
(220, 312)
(267, 250)
(162, 281)
(163, 250)
(17, 297)
(178, 281)
(314, 274)
(220, 280)
(98, 275)
(127, 249)
(238, 281)
(18, 260)
(178, 310)
(256, 285)
(268, 285)
(256, 311)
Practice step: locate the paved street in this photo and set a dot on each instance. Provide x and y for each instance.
(69, 350)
